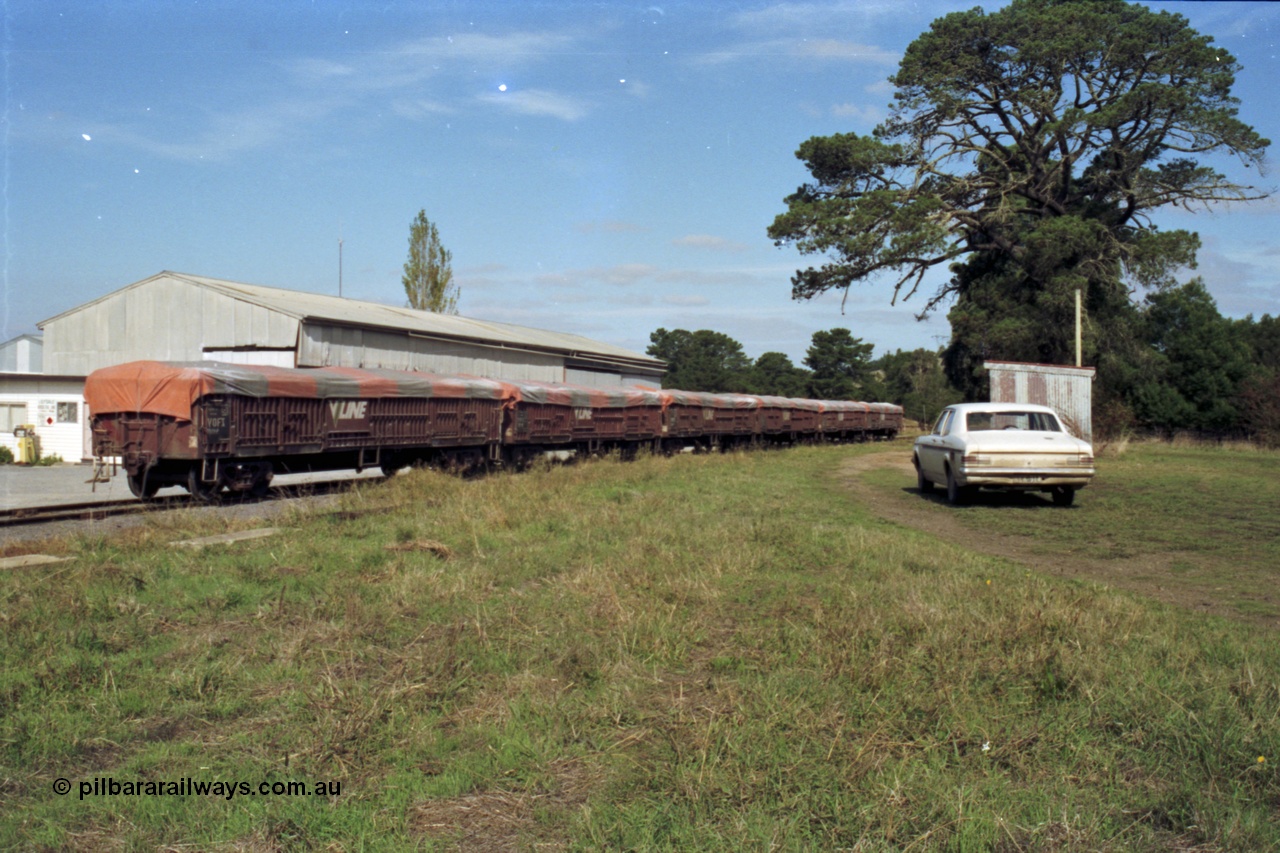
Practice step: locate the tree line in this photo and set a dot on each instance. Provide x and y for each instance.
(837, 366)
(1191, 369)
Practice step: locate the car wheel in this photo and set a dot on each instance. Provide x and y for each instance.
(1063, 495)
(923, 484)
(956, 494)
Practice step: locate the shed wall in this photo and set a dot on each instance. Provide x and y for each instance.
(1067, 390)
(22, 355)
(322, 345)
(164, 320)
(605, 378)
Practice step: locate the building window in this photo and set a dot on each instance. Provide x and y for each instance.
(68, 413)
(12, 415)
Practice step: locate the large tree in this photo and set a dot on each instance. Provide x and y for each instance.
(1026, 153)
(840, 363)
(700, 361)
(428, 273)
(915, 380)
(1199, 363)
(774, 374)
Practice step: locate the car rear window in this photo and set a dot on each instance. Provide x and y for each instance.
(1012, 419)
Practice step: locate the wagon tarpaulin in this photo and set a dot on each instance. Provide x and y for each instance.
(563, 394)
(172, 388)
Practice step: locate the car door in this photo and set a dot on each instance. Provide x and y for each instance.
(931, 449)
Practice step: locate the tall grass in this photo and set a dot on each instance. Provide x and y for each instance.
(712, 652)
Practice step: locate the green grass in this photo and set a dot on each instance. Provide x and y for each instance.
(1207, 515)
(713, 652)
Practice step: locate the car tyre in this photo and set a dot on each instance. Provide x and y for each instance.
(923, 484)
(1063, 495)
(956, 494)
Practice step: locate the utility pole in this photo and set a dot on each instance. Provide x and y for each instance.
(1078, 361)
(339, 262)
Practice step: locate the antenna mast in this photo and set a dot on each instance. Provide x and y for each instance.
(339, 259)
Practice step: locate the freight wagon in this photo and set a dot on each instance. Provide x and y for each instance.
(208, 426)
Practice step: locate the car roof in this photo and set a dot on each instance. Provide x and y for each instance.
(1001, 407)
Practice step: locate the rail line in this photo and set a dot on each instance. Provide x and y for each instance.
(95, 510)
(86, 511)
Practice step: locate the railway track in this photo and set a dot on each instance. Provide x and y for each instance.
(87, 511)
(96, 510)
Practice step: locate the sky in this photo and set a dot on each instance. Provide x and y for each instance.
(599, 168)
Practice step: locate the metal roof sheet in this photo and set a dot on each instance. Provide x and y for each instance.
(355, 312)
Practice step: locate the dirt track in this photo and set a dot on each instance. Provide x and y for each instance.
(1146, 574)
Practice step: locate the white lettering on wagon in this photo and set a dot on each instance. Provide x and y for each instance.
(348, 410)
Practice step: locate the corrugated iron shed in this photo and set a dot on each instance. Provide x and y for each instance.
(23, 354)
(180, 317)
(1066, 390)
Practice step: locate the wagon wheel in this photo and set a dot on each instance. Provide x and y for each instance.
(142, 486)
(204, 492)
(261, 488)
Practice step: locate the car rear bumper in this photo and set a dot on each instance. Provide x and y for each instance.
(1023, 478)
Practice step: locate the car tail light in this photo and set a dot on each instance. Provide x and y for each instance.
(1086, 459)
(977, 459)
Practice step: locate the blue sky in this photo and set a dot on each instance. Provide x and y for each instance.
(600, 168)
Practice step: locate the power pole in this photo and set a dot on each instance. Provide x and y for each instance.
(339, 264)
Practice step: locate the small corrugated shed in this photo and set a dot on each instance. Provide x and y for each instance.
(23, 354)
(180, 317)
(1067, 390)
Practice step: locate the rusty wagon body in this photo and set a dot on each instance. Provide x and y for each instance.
(209, 426)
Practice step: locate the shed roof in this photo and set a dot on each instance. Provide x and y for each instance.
(359, 313)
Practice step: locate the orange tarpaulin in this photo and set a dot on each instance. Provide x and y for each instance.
(169, 388)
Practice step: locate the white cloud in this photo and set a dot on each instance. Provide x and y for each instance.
(686, 301)
(419, 108)
(710, 242)
(865, 114)
(538, 102)
(801, 49)
(848, 51)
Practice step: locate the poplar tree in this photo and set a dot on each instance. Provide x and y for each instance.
(428, 274)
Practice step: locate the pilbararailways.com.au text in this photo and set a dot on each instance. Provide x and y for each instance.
(188, 787)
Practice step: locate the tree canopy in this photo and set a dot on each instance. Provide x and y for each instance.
(428, 273)
(839, 362)
(776, 375)
(700, 361)
(1031, 146)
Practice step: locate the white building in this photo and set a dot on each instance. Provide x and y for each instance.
(54, 405)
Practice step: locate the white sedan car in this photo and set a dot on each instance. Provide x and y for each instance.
(1002, 446)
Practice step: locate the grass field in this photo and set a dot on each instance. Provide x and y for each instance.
(710, 652)
(1195, 521)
